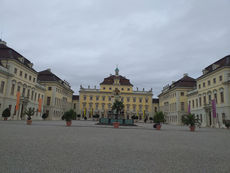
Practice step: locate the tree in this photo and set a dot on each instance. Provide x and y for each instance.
(159, 117)
(29, 112)
(118, 107)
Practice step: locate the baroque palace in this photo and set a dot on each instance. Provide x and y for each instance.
(207, 97)
(22, 87)
(99, 101)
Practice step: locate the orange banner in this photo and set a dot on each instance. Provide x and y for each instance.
(18, 101)
(40, 105)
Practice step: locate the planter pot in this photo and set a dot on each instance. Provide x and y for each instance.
(192, 128)
(68, 123)
(116, 124)
(28, 122)
(158, 127)
(5, 118)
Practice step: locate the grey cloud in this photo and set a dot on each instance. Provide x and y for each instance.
(154, 42)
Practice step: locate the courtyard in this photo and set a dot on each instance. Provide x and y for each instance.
(50, 146)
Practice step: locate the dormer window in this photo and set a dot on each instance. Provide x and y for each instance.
(21, 59)
(215, 66)
(30, 65)
(205, 71)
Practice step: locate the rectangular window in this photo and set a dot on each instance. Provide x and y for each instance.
(209, 99)
(25, 75)
(35, 96)
(182, 93)
(220, 78)
(193, 104)
(97, 98)
(91, 97)
(2, 86)
(222, 97)
(140, 100)
(74, 105)
(15, 70)
(127, 99)
(199, 86)
(196, 102)
(103, 98)
(49, 88)
(204, 84)
(204, 100)
(30, 78)
(214, 80)
(48, 100)
(34, 79)
(200, 101)
(209, 83)
(32, 95)
(20, 73)
(215, 96)
(182, 106)
(134, 99)
(12, 89)
(19, 88)
(109, 98)
(28, 93)
(146, 100)
(84, 97)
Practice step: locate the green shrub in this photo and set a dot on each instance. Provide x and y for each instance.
(44, 116)
(69, 115)
(159, 117)
(190, 120)
(6, 113)
(227, 123)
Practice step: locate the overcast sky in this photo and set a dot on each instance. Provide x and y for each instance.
(154, 42)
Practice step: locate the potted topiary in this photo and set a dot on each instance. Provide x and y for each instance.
(29, 112)
(68, 117)
(44, 116)
(6, 114)
(158, 119)
(117, 108)
(191, 121)
(227, 123)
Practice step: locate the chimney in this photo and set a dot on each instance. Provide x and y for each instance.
(48, 69)
(185, 74)
(2, 42)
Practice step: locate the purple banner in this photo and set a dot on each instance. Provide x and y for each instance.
(214, 108)
(189, 111)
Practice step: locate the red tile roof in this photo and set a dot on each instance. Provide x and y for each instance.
(110, 80)
(8, 53)
(223, 62)
(75, 97)
(47, 75)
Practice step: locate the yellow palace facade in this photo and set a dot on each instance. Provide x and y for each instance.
(99, 101)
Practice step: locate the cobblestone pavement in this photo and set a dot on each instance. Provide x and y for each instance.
(50, 146)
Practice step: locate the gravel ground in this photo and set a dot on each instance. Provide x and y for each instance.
(49, 146)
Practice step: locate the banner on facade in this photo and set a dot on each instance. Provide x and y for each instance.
(40, 105)
(214, 108)
(18, 101)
